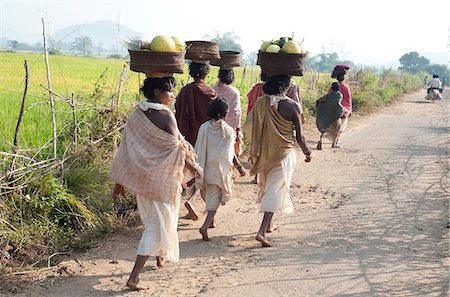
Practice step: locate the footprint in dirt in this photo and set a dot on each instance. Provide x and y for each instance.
(315, 196)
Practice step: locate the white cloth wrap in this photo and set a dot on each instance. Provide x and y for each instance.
(215, 151)
(146, 105)
(274, 186)
(343, 124)
(214, 197)
(160, 220)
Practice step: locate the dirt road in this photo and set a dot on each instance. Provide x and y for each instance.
(371, 220)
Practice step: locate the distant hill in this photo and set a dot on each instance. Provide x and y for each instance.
(104, 34)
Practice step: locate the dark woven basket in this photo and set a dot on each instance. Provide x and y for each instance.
(202, 50)
(151, 62)
(228, 60)
(281, 63)
(339, 69)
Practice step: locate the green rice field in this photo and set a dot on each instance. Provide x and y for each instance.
(89, 79)
(95, 81)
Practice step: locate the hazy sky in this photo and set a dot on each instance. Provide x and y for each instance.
(366, 32)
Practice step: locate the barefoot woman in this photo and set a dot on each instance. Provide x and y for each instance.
(270, 127)
(150, 163)
(339, 72)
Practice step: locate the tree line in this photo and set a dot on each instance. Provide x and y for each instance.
(80, 45)
(411, 62)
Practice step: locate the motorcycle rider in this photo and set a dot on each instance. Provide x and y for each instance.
(435, 83)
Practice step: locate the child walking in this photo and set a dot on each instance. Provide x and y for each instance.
(215, 150)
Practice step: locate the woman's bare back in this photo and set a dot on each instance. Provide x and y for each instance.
(163, 120)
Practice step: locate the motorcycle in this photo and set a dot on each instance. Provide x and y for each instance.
(433, 95)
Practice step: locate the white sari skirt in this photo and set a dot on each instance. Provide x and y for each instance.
(160, 236)
(274, 186)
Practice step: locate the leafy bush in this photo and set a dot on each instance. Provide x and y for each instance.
(54, 52)
(52, 201)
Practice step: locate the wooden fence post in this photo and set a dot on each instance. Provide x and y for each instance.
(22, 110)
(74, 116)
(15, 147)
(52, 102)
(243, 76)
(119, 91)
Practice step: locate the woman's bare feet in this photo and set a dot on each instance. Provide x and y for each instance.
(241, 170)
(135, 286)
(271, 228)
(263, 240)
(192, 214)
(204, 233)
(213, 224)
(319, 145)
(160, 262)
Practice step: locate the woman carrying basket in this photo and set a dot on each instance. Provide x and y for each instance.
(339, 72)
(273, 126)
(150, 163)
(329, 113)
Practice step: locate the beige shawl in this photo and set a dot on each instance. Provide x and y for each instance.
(150, 161)
(215, 151)
(271, 136)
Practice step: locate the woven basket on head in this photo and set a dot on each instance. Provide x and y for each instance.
(197, 50)
(151, 62)
(281, 63)
(339, 69)
(228, 60)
